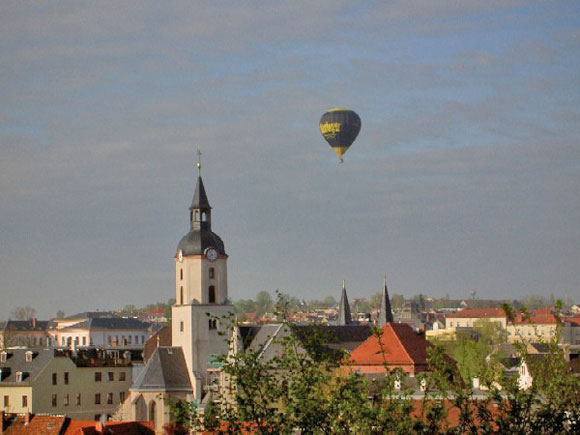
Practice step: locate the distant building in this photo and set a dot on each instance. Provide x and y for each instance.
(24, 333)
(50, 381)
(102, 332)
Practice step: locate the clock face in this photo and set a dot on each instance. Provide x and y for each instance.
(211, 254)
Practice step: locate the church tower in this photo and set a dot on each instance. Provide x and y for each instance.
(201, 288)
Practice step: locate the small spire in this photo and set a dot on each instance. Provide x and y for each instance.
(385, 313)
(344, 317)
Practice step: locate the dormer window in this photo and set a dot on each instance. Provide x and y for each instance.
(3, 356)
(19, 376)
(28, 356)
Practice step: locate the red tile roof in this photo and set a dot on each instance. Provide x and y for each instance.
(37, 425)
(477, 313)
(399, 345)
(90, 427)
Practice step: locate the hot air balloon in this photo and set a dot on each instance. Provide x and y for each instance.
(340, 127)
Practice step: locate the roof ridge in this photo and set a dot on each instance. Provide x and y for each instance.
(270, 340)
(402, 345)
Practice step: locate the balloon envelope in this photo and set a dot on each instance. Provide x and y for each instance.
(340, 127)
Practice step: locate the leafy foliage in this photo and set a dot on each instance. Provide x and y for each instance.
(304, 388)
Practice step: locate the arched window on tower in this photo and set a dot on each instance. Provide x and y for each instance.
(181, 295)
(181, 274)
(212, 294)
(211, 273)
(203, 216)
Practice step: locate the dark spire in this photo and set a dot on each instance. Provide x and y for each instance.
(200, 200)
(344, 317)
(385, 314)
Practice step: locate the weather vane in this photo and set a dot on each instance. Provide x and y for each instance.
(199, 162)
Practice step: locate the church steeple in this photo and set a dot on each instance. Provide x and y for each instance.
(344, 317)
(200, 210)
(385, 313)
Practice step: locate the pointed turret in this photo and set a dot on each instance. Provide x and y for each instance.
(344, 317)
(200, 236)
(385, 313)
(200, 200)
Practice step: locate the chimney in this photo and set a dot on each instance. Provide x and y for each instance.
(99, 428)
(26, 418)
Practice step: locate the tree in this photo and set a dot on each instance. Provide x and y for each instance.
(301, 390)
(397, 301)
(264, 302)
(375, 301)
(23, 313)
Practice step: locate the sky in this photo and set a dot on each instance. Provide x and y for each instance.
(465, 175)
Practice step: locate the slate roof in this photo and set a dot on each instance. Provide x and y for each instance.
(199, 197)
(109, 323)
(196, 241)
(344, 316)
(476, 313)
(199, 239)
(165, 370)
(16, 362)
(89, 315)
(26, 325)
(335, 338)
(386, 313)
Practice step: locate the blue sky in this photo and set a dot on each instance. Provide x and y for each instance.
(465, 175)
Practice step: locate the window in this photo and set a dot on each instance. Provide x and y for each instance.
(211, 273)
(78, 402)
(122, 396)
(24, 401)
(54, 379)
(84, 341)
(6, 401)
(63, 341)
(97, 399)
(122, 376)
(130, 339)
(109, 398)
(181, 295)
(66, 378)
(212, 294)
(212, 323)
(28, 356)
(97, 417)
(66, 400)
(98, 376)
(181, 327)
(18, 376)
(111, 376)
(3, 357)
(181, 274)
(54, 400)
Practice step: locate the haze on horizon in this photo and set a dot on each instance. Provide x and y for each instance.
(465, 175)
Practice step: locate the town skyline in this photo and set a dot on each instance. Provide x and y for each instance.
(464, 175)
